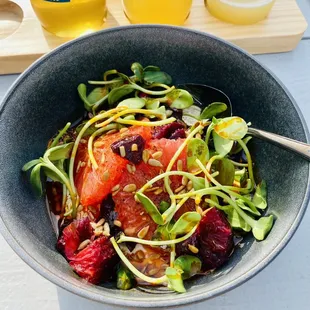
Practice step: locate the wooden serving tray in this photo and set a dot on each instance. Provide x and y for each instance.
(22, 40)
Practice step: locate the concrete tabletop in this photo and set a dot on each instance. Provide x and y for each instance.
(284, 284)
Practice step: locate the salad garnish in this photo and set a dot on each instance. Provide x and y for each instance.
(143, 196)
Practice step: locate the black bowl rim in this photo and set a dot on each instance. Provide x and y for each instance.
(180, 299)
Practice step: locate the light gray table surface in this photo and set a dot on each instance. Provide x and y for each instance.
(284, 284)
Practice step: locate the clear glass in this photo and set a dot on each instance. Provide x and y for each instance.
(241, 12)
(70, 18)
(173, 12)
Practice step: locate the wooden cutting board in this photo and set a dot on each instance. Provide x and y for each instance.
(22, 40)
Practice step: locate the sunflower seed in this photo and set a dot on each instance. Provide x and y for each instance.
(110, 132)
(83, 244)
(198, 136)
(134, 147)
(122, 130)
(102, 158)
(100, 222)
(180, 165)
(93, 225)
(180, 188)
(140, 255)
(142, 233)
(145, 156)
(189, 185)
(158, 191)
(83, 141)
(157, 155)
(130, 188)
(154, 162)
(106, 229)
(184, 180)
(122, 151)
(99, 143)
(116, 187)
(153, 271)
(117, 223)
(193, 249)
(106, 175)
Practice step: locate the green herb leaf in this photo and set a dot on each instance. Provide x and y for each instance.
(119, 92)
(175, 281)
(89, 131)
(151, 77)
(129, 117)
(235, 220)
(185, 223)
(125, 278)
(196, 149)
(213, 109)
(162, 233)
(226, 171)
(31, 164)
(260, 196)
(59, 152)
(52, 174)
(97, 94)
(151, 68)
(190, 265)
(262, 227)
(198, 183)
(179, 99)
(221, 145)
(152, 104)
(163, 206)
(137, 69)
(150, 208)
(242, 204)
(232, 128)
(35, 179)
(82, 93)
(132, 103)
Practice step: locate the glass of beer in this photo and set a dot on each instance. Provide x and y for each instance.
(70, 18)
(172, 12)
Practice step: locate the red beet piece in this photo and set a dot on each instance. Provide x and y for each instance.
(72, 235)
(178, 134)
(215, 239)
(166, 131)
(133, 155)
(96, 262)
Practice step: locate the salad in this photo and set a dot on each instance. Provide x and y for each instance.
(139, 195)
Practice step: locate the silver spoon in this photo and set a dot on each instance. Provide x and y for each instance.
(204, 95)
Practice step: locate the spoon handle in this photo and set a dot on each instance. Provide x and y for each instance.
(298, 147)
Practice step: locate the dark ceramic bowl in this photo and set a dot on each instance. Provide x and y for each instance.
(44, 98)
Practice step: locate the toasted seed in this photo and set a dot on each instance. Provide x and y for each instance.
(83, 244)
(130, 188)
(88, 163)
(180, 188)
(193, 249)
(122, 151)
(134, 147)
(106, 175)
(79, 208)
(116, 192)
(93, 225)
(158, 191)
(106, 229)
(141, 213)
(157, 155)
(133, 167)
(100, 222)
(102, 160)
(184, 180)
(83, 141)
(180, 165)
(110, 132)
(154, 162)
(116, 187)
(129, 231)
(152, 189)
(199, 210)
(154, 256)
(198, 136)
(83, 164)
(189, 185)
(122, 130)
(99, 143)
(145, 156)
(90, 115)
(77, 170)
(98, 231)
(140, 254)
(117, 223)
(169, 113)
(91, 216)
(142, 233)
(153, 271)
(197, 200)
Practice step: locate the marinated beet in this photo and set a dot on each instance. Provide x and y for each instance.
(130, 148)
(178, 134)
(109, 214)
(96, 262)
(72, 235)
(215, 239)
(167, 131)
